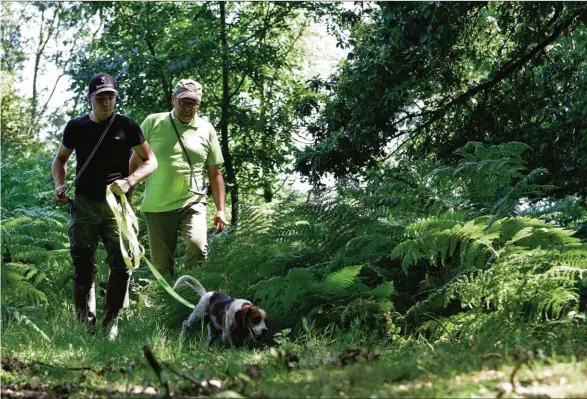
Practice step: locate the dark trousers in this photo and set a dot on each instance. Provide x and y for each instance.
(90, 221)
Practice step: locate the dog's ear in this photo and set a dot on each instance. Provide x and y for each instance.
(240, 317)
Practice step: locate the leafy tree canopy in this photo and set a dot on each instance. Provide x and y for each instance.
(150, 46)
(423, 79)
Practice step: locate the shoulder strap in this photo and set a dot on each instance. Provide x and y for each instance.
(180, 141)
(92, 153)
(192, 176)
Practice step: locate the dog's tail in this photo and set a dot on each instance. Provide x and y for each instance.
(192, 282)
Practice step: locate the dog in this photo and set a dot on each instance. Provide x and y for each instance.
(235, 319)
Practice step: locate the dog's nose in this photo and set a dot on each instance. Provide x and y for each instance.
(263, 331)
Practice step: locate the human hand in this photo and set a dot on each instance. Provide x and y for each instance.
(220, 221)
(60, 196)
(120, 187)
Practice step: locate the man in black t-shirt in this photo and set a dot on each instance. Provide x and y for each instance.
(91, 217)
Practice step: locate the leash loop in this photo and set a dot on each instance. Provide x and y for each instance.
(128, 229)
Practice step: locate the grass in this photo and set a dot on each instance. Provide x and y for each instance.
(352, 363)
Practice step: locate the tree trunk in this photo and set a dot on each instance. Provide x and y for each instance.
(267, 190)
(43, 40)
(165, 84)
(230, 175)
(38, 54)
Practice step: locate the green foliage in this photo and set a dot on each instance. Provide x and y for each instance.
(149, 46)
(22, 319)
(569, 212)
(34, 233)
(305, 259)
(518, 268)
(424, 79)
(309, 364)
(12, 43)
(19, 283)
(36, 263)
(493, 176)
(14, 116)
(452, 235)
(419, 238)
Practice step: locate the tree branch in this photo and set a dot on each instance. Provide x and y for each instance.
(164, 83)
(236, 90)
(511, 67)
(52, 92)
(506, 70)
(282, 184)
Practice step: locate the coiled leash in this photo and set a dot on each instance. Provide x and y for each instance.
(128, 227)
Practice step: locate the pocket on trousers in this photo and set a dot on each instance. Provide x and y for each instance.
(71, 206)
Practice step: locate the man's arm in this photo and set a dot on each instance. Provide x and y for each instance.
(59, 172)
(141, 165)
(134, 163)
(218, 194)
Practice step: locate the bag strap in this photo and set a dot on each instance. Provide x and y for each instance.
(92, 153)
(180, 141)
(192, 175)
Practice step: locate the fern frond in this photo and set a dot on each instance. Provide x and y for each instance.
(384, 290)
(337, 283)
(299, 283)
(19, 283)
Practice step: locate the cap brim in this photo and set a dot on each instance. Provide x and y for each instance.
(102, 90)
(189, 94)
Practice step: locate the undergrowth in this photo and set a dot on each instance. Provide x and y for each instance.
(414, 263)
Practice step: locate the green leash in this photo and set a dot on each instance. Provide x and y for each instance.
(128, 229)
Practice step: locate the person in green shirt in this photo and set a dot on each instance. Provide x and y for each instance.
(175, 195)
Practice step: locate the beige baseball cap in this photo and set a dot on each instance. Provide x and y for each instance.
(187, 88)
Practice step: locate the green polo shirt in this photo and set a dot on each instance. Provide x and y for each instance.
(167, 188)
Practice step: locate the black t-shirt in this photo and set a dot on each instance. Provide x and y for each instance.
(110, 162)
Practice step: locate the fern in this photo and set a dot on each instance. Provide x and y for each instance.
(34, 231)
(567, 212)
(299, 257)
(493, 179)
(442, 246)
(338, 283)
(534, 274)
(298, 284)
(463, 245)
(33, 239)
(19, 283)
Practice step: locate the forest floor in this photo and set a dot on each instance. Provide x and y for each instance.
(74, 363)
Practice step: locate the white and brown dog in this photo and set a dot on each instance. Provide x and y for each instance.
(235, 319)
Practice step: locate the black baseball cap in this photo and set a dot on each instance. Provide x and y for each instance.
(102, 82)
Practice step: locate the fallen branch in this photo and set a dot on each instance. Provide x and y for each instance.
(522, 361)
(161, 374)
(513, 388)
(205, 387)
(190, 378)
